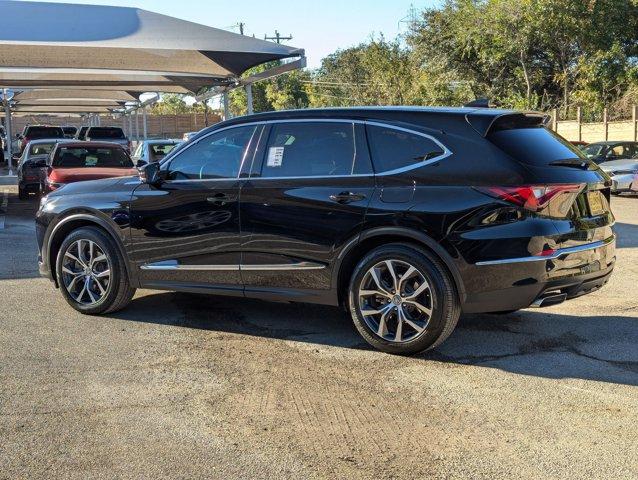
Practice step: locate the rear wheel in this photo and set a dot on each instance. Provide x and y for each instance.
(91, 273)
(402, 300)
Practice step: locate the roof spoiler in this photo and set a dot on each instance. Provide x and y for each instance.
(485, 121)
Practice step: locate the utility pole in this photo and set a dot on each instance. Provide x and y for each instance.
(277, 38)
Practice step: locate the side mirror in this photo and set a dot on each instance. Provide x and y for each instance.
(151, 174)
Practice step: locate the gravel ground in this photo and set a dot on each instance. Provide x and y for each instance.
(185, 386)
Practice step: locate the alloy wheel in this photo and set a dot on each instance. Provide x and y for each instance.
(86, 272)
(395, 300)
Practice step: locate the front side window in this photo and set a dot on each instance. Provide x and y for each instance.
(308, 149)
(393, 149)
(218, 155)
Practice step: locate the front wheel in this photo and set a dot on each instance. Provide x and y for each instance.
(402, 300)
(91, 272)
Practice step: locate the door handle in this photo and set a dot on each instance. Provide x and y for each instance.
(347, 197)
(221, 199)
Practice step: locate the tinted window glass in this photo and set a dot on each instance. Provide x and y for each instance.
(105, 132)
(82, 133)
(41, 148)
(76, 157)
(310, 149)
(534, 146)
(217, 156)
(392, 149)
(594, 149)
(161, 149)
(44, 132)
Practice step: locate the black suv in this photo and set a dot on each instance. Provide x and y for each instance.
(405, 216)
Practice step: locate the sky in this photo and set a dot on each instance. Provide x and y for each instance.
(318, 26)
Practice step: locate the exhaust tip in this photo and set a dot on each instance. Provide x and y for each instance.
(549, 299)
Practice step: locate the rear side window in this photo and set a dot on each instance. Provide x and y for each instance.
(534, 146)
(44, 132)
(310, 149)
(105, 132)
(393, 149)
(79, 157)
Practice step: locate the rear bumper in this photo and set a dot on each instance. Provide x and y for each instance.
(518, 283)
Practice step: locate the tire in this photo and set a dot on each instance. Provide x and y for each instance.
(439, 296)
(114, 290)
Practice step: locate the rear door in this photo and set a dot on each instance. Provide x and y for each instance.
(307, 196)
(185, 232)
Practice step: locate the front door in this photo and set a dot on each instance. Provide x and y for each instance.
(306, 198)
(185, 232)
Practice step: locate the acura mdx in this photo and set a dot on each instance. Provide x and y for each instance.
(404, 216)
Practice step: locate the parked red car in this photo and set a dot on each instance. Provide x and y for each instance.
(78, 161)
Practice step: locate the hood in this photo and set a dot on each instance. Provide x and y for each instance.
(113, 184)
(70, 175)
(624, 164)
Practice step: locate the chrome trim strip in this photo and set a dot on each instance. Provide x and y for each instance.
(173, 265)
(557, 254)
(446, 151)
(283, 267)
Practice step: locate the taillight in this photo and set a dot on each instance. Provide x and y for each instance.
(537, 198)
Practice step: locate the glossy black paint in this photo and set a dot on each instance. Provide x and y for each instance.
(325, 224)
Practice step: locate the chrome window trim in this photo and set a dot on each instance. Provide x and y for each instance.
(446, 151)
(174, 265)
(557, 254)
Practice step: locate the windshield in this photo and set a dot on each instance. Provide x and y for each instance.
(105, 132)
(44, 132)
(593, 150)
(161, 149)
(41, 148)
(79, 157)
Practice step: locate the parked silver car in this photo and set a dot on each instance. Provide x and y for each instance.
(624, 174)
(150, 151)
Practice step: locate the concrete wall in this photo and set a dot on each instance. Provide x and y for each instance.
(598, 132)
(159, 126)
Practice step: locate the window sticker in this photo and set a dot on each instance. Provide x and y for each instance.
(275, 156)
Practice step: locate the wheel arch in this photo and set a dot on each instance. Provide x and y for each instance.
(370, 239)
(72, 222)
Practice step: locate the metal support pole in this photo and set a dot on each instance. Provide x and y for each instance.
(226, 106)
(249, 98)
(144, 123)
(137, 125)
(130, 127)
(9, 132)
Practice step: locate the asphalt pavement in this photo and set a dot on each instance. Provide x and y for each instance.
(187, 386)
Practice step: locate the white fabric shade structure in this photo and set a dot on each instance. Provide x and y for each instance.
(121, 48)
(88, 59)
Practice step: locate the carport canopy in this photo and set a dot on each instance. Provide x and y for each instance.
(71, 46)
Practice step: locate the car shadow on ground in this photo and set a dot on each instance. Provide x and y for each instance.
(537, 343)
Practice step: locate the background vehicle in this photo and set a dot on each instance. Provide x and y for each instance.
(405, 216)
(78, 161)
(153, 151)
(601, 152)
(188, 135)
(81, 133)
(69, 131)
(108, 134)
(623, 174)
(35, 132)
(32, 166)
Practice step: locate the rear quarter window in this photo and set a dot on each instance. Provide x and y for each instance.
(393, 149)
(534, 146)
